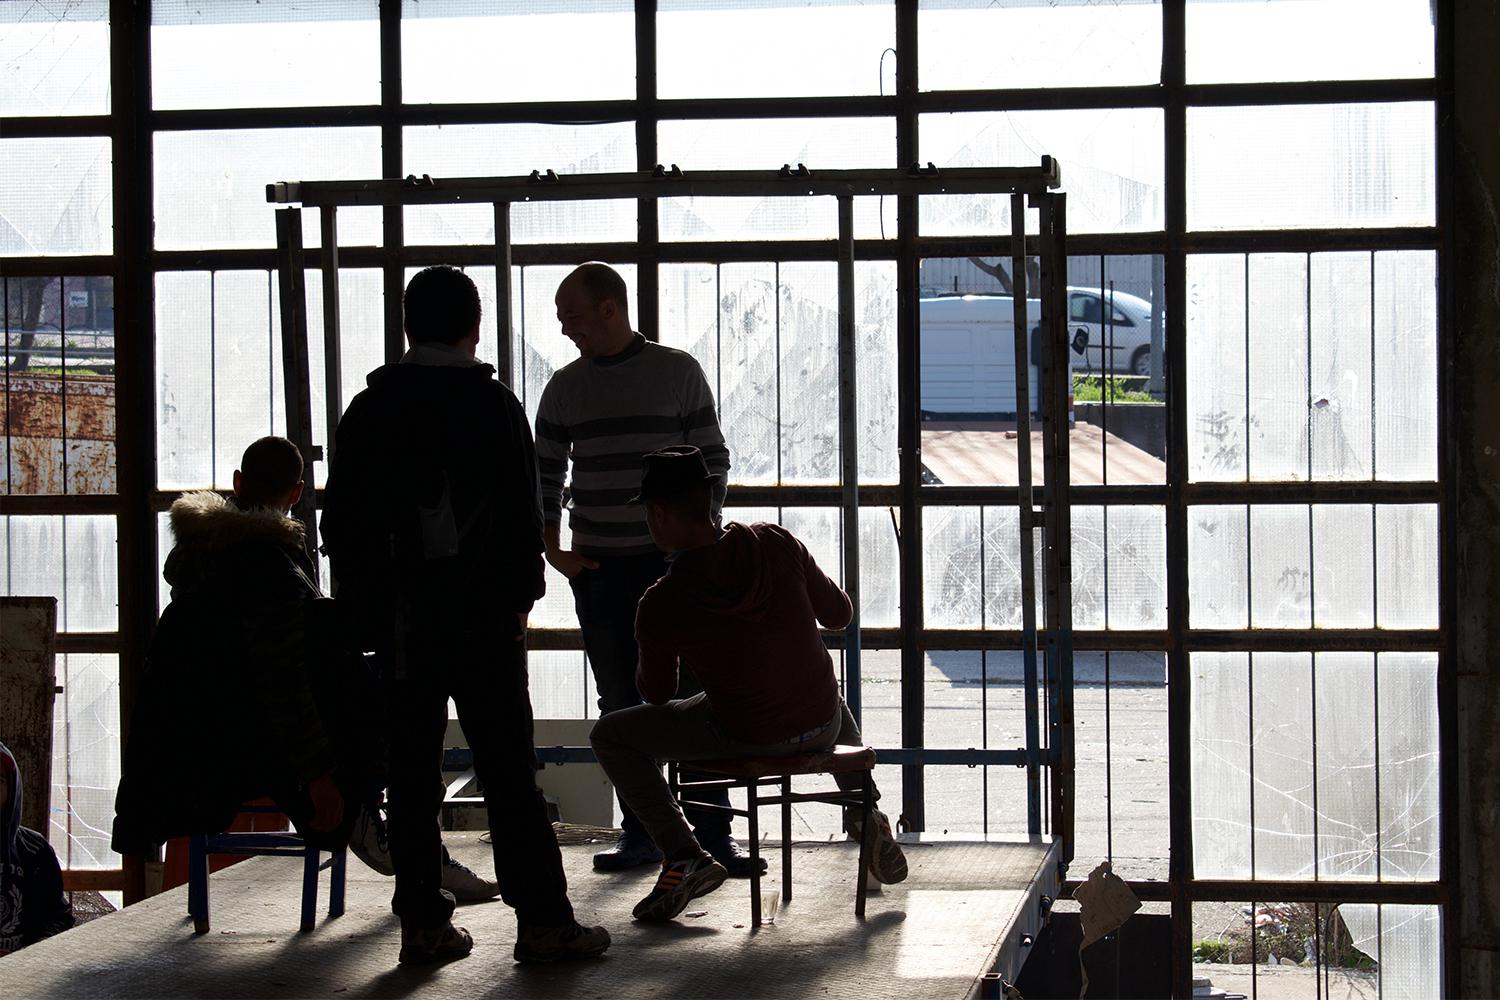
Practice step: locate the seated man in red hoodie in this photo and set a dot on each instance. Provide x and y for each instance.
(739, 605)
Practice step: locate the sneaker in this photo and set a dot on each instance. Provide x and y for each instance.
(466, 885)
(679, 883)
(735, 859)
(887, 861)
(370, 841)
(633, 849)
(560, 944)
(437, 944)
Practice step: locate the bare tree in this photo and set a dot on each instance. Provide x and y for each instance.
(998, 270)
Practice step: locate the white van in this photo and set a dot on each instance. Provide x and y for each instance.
(1116, 327)
(968, 356)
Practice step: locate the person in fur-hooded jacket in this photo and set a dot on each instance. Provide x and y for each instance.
(229, 710)
(32, 902)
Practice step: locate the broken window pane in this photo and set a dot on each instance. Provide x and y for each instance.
(56, 196)
(969, 44)
(85, 760)
(264, 53)
(519, 148)
(781, 49)
(1310, 166)
(1282, 41)
(462, 51)
(54, 58)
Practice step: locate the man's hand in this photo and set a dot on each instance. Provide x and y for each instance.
(328, 804)
(569, 563)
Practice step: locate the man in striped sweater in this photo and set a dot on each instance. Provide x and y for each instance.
(624, 396)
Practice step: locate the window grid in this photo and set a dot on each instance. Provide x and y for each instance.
(128, 38)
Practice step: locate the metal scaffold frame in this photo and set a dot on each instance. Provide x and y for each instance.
(1028, 188)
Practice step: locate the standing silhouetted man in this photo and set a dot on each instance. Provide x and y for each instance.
(433, 524)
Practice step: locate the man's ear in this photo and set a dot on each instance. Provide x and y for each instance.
(296, 495)
(237, 478)
(607, 309)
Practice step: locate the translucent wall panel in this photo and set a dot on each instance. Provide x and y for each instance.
(1310, 166)
(85, 760)
(1405, 360)
(519, 148)
(458, 51)
(767, 144)
(1358, 801)
(210, 187)
(57, 399)
(1294, 566)
(1119, 567)
(71, 558)
(1112, 159)
(264, 53)
(1220, 733)
(56, 196)
(54, 58)
(559, 686)
(748, 371)
(1318, 366)
(1287, 40)
(220, 381)
(780, 49)
(971, 44)
(875, 370)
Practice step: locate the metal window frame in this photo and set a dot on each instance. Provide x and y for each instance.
(132, 122)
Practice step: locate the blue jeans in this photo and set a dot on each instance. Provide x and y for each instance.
(606, 599)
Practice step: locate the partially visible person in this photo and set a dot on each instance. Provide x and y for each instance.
(433, 524)
(33, 905)
(624, 396)
(246, 694)
(740, 605)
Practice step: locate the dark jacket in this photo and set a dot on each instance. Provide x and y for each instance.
(226, 709)
(32, 902)
(743, 614)
(420, 438)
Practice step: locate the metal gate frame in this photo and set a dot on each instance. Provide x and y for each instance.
(1027, 187)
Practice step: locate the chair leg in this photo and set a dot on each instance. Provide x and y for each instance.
(309, 887)
(198, 882)
(752, 807)
(868, 835)
(786, 839)
(336, 882)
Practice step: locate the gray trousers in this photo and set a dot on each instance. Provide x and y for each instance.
(631, 744)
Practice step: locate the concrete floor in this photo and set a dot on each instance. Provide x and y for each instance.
(932, 936)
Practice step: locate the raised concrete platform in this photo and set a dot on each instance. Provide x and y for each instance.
(962, 913)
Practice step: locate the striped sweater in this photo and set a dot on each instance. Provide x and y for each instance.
(604, 414)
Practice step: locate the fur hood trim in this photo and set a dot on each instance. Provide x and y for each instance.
(206, 520)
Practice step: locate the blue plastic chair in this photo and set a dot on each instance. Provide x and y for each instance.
(287, 842)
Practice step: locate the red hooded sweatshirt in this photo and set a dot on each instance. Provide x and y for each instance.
(742, 615)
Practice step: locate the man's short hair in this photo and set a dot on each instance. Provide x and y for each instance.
(690, 502)
(602, 282)
(441, 304)
(269, 469)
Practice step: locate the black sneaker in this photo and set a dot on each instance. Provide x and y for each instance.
(535, 945)
(736, 860)
(436, 944)
(679, 883)
(633, 849)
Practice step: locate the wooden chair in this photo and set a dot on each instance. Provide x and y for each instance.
(755, 773)
(284, 842)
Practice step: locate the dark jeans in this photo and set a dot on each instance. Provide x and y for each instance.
(606, 599)
(483, 669)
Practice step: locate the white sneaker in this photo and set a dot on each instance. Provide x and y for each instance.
(465, 884)
(370, 842)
